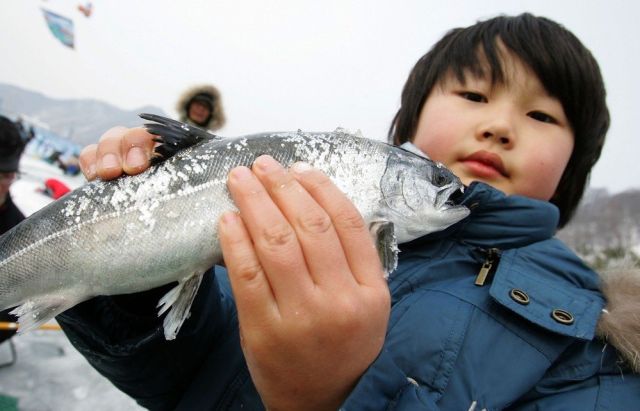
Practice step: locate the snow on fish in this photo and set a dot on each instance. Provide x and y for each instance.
(140, 232)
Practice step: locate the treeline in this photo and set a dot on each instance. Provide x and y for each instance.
(606, 227)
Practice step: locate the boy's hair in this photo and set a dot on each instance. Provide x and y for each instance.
(564, 66)
(11, 146)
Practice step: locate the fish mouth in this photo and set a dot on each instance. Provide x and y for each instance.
(456, 196)
(486, 162)
(450, 196)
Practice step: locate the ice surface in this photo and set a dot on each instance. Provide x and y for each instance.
(49, 374)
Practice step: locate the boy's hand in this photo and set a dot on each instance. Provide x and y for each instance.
(312, 302)
(120, 150)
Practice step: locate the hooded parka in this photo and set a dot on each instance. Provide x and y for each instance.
(214, 99)
(523, 337)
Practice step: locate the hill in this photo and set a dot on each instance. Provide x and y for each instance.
(606, 226)
(80, 120)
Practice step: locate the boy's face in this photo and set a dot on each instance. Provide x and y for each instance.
(512, 136)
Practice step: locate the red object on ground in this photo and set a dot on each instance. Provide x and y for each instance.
(56, 188)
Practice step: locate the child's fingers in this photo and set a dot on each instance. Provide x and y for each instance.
(314, 231)
(254, 299)
(109, 157)
(354, 235)
(88, 159)
(120, 150)
(275, 242)
(136, 149)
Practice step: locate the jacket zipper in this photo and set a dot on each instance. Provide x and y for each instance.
(492, 257)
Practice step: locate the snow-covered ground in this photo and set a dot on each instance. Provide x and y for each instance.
(33, 173)
(49, 374)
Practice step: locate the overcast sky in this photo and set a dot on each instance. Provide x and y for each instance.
(296, 64)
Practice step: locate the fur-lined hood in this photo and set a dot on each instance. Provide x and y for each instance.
(217, 119)
(619, 324)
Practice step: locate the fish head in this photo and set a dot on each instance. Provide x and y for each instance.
(422, 196)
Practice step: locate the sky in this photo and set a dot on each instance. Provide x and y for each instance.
(296, 64)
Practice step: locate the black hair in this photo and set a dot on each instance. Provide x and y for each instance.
(565, 67)
(11, 145)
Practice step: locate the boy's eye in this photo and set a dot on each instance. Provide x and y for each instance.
(540, 116)
(471, 96)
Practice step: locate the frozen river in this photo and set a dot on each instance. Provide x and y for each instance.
(49, 374)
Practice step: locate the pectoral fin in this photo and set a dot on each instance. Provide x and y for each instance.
(385, 240)
(35, 312)
(178, 301)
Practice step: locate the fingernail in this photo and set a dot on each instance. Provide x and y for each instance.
(110, 161)
(91, 173)
(136, 157)
(240, 173)
(301, 167)
(265, 163)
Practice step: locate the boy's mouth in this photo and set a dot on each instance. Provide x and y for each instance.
(485, 164)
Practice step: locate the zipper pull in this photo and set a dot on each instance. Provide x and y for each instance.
(484, 271)
(492, 255)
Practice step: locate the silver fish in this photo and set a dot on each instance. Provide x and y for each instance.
(139, 232)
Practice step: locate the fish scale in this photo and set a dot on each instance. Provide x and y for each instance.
(139, 232)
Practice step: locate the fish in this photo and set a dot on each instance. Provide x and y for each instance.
(140, 232)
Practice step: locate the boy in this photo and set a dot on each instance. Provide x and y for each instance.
(492, 313)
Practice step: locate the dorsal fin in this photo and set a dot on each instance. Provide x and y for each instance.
(173, 136)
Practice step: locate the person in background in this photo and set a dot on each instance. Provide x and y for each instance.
(201, 106)
(11, 148)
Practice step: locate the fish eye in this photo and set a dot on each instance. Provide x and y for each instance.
(441, 177)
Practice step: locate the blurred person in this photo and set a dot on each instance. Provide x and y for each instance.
(11, 148)
(201, 105)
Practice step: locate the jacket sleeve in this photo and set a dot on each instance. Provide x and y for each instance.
(123, 339)
(606, 393)
(386, 387)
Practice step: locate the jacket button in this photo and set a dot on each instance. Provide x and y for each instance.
(562, 316)
(519, 296)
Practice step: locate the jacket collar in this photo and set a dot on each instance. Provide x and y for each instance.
(499, 220)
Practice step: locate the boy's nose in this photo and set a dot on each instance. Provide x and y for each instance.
(499, 129)
(504, 139)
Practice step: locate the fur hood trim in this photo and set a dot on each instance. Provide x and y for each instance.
(619, 324)
(217, 119)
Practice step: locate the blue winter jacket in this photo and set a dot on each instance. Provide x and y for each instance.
(521, 337)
